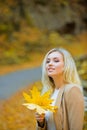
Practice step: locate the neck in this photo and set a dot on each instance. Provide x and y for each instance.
(59, 82)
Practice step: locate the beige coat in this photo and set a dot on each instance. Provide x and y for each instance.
(70, 114)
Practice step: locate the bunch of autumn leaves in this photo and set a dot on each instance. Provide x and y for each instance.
(39, 103)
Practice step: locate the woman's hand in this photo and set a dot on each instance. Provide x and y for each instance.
(40, 119)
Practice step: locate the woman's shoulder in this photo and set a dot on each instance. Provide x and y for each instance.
(72, 86)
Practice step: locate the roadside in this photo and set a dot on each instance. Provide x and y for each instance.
(35, 62)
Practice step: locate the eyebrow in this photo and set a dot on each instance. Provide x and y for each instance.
(53, 58)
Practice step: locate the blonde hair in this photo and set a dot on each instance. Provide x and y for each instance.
(70, 71)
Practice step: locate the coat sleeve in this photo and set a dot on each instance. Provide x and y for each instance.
(75, 108)
(41, 128)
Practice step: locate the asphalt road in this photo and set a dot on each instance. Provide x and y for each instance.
(12, 82)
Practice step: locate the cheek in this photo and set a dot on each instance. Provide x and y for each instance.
(60, 67)
(46, 67)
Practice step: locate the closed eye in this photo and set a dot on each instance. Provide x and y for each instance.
(56, 60)
(48, 61)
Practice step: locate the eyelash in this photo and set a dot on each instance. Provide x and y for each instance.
(54, 61)
(47, 62)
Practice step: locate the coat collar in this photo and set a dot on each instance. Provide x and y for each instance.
(60, 96)
(63, 89)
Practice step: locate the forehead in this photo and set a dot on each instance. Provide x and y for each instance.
(55, 55)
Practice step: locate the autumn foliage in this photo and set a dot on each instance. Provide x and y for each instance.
(15, 116)
(39, 102)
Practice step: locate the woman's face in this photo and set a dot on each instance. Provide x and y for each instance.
(54, 64)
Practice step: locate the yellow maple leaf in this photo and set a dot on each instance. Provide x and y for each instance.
(38, 102)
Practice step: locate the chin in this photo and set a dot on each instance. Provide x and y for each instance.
(51, 75)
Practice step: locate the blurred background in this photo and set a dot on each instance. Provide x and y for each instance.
(28, 29)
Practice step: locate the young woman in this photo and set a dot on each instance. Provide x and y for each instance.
(59, 74)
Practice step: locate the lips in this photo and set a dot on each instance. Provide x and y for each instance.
(50, 69)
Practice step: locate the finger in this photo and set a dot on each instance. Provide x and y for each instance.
(40, 119)
(41, 115)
